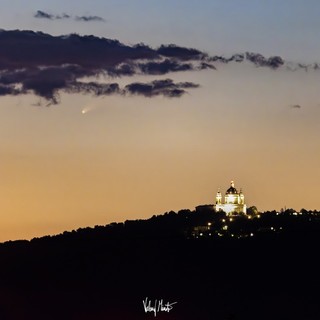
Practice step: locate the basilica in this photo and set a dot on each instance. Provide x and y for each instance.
(233, 203)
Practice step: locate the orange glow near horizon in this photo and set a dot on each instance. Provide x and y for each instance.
(131, 158)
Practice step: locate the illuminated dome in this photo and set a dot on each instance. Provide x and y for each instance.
(232, 189)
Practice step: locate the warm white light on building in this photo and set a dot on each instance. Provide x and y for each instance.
(233, 201)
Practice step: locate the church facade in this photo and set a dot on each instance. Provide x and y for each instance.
(233, 203)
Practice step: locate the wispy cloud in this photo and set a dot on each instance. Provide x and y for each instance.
(295, 106)
(86, 18)
(63, 16)
(44, 15)
(89, 18)
(257, 59)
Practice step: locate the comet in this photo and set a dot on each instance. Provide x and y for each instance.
(90, 107)
(87, 109)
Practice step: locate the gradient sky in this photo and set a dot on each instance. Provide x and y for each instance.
(132, 157)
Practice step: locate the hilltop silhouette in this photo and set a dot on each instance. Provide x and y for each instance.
(262, 267)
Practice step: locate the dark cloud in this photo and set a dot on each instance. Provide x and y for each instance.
(295, 106)
(173, 51)
(164, 67)
(39, 63)
(302, 66)
(45, 81)
(205, 65)
(63, 16)
(28, 49)
(257, 59)
(260, 61)
(89, 18)
(124, 69)
(94, 88)
(8, 90)
(187, 85)
(166, 88)
(43, 15)
(46, 65)
(235, 57)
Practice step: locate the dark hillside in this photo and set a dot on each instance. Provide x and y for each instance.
(107, 272)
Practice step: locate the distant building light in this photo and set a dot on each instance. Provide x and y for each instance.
(231, 219)
(251, 234)
(225, 227)
(201, 234)
(233, 201)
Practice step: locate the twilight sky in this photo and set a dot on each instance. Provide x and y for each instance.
(95, 131)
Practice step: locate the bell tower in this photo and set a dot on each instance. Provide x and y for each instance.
(219, 197)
